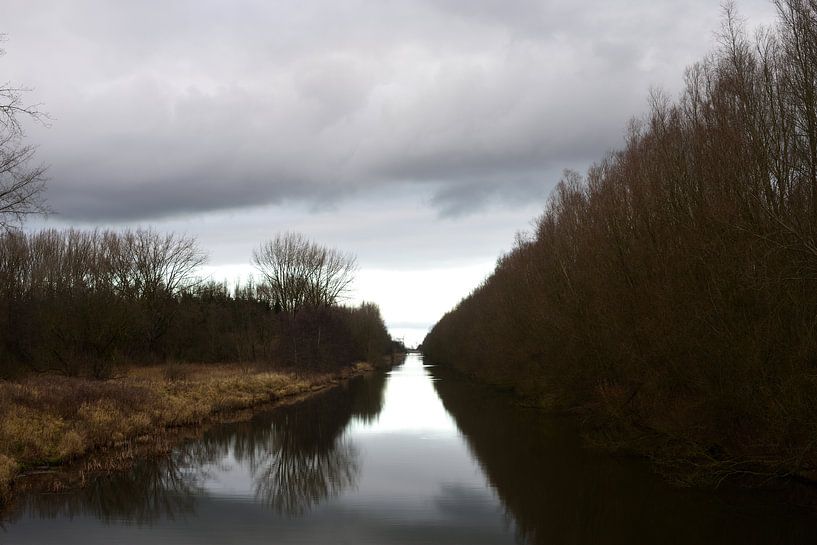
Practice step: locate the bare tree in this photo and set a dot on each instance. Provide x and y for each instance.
(159, 264)
(677, 277)
(22, 182)
(159, 268)
(299, 272)
(798, 24)
(331, 272)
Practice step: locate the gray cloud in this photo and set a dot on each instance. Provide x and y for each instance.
(176, 108)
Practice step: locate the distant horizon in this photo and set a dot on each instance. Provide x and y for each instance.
(419, 135)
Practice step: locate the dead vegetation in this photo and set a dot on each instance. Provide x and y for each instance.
(49, 419)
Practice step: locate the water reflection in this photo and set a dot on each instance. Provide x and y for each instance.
(295, 456)
(558, 491)
(403, 458)
(153, 489)
(301, 456)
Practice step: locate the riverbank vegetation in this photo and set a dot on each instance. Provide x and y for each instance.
(107, 337)
(49, 419)
(669, 293)
(299, 453)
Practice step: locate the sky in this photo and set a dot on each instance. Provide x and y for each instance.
(420, 135)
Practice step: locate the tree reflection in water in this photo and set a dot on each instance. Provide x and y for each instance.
(298, 456)
(151, 489)
(556, 490)
(302, 456)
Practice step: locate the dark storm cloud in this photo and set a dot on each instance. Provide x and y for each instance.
(163, 108)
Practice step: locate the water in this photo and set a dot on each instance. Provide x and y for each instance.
(411, 456)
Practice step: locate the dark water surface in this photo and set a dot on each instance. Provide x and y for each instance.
(410, 456)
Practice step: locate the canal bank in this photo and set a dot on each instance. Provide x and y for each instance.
(56, 431)
(413, 455)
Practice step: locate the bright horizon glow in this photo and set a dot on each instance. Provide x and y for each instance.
(410, 301)
(412, 404)
(419, 136)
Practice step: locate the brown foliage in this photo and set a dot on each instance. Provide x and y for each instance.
(672, 288)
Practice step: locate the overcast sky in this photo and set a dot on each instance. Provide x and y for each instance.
(418, 134)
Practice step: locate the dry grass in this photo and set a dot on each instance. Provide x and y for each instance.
(49, 420)
(8, 469)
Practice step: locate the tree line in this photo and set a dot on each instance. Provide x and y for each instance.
(80, 302)
(670, 291)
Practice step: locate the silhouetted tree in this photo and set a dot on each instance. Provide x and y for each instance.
(21, 181)
(78, 302)
(298, 272)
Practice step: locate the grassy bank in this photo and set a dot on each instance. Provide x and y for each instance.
(50, 420)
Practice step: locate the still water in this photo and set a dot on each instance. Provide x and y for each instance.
(409, 456)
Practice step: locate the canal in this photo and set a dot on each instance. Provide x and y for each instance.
(410, 456)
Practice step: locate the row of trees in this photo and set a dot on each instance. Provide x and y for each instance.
(81, 301)
(672, 288)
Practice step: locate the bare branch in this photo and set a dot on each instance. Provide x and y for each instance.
(22, 180)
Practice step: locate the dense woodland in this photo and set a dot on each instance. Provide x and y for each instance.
(671, 291)
(81, 302)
